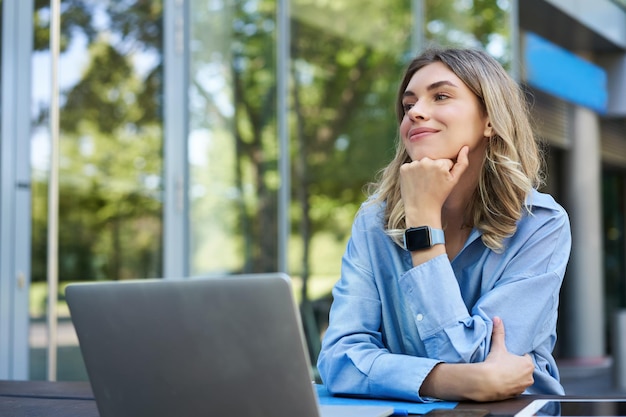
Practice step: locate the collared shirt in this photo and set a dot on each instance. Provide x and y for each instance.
(391, 322)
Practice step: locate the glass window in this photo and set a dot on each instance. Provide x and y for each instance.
(110, 167)
(346, 63)
(471, 23)
(233, 145)
(346, 60)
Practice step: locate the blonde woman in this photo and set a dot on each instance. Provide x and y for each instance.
(454, 243)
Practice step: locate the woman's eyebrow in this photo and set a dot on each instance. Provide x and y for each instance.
(440, 84)
(433, 86)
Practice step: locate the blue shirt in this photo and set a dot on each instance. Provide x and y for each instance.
(391, 322)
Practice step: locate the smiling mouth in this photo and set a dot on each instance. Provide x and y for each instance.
(419, 133)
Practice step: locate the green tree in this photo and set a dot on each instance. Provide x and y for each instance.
(344, 84)
(111, 144)
(346, 60)
(471, 23)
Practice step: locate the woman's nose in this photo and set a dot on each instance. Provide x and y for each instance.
(418, 111)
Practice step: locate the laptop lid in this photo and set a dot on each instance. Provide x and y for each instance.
(213, 346)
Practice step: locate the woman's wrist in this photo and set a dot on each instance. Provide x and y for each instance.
(455, 382)
(481, 381)
(423, 219)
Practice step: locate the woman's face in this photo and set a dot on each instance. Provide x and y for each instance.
(441, 115)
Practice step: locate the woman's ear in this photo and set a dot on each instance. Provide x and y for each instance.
(488, 130)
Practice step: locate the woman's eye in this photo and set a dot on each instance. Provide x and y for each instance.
(440, 96)
(407, 106)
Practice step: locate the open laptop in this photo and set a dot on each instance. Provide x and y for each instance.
(228, 346)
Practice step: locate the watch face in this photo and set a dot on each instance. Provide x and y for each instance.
(417, 238)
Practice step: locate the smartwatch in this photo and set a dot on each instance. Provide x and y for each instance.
(423, 237)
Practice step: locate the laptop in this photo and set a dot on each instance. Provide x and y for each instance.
(223, 346)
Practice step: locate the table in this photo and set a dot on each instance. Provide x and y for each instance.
(61, 399)
(47, 399)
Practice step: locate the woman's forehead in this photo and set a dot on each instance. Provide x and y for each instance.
(434, 75)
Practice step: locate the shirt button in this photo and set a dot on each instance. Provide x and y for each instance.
(419, 317)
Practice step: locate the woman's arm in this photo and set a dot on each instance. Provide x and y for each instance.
(394, 326)
(455, 302)
(502, 375)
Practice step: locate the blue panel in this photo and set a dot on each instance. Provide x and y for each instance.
(563, 74)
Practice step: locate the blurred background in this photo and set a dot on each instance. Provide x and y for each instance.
(206, 137)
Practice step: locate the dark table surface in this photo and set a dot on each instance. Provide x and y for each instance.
(46, 399)
(56, 399)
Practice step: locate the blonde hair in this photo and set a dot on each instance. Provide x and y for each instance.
(512, 165)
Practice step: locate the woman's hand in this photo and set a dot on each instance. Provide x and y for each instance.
(502, 375)
(426, 184)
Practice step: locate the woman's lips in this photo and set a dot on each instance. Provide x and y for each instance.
(420, 132)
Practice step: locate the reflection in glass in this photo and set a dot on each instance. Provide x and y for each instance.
(346, 61)
(346, 64)
(110, 75)
(232, 137)
(464, 23)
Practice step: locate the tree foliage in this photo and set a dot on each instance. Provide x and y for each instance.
(111, 140)
(471, 23)
(347, 58)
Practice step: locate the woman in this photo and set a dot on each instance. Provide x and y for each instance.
(454, 243)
